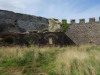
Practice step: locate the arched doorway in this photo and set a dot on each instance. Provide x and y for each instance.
(51, 39)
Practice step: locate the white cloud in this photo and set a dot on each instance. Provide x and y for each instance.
(18, 5)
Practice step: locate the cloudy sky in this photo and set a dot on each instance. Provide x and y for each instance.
(68, 9)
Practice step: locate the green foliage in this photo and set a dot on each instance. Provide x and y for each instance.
(7, 62)
(74, 68)
(33, 62)
(63, 69)
(4, 72)
(46, 61)
(29, 42)
(91, 67)
(27, 59)
(93, 48)
(64, 25)
(45, 30)
(52, 73)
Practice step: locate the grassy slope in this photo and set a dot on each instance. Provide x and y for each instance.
(82, 60)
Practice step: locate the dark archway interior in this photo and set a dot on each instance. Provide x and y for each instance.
(60, 38)
(9, 40)
(51, 40)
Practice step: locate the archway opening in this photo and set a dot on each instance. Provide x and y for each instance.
(51, 39)
(9, 40)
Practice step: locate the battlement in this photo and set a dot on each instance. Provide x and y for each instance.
(73, 21)
(82, 21)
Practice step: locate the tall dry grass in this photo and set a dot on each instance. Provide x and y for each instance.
(70, 60)
(82, 60)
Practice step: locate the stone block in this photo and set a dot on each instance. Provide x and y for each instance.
(82, 21)
(91, 20)
(73, 21)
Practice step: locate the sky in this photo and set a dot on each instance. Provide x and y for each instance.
(60, 9)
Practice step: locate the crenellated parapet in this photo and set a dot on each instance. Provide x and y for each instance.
(83, 21)
(91, 20)
(73, 21)
(84, 32)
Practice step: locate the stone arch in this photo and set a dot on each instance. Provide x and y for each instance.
(32, 38)
(51, 39)
(9, 38)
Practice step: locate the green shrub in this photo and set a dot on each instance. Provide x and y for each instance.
(64, 25)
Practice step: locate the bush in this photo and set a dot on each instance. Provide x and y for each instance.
(64, 25)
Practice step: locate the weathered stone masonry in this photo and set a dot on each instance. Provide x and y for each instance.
(27, 22)
(84, 33)
(15, 24)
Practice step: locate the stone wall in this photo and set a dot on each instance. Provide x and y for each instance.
(84, 33)
(79, 33)
(27, 22)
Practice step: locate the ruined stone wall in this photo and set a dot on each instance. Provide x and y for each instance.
(79, 33)
(27, 22)
(84, 33)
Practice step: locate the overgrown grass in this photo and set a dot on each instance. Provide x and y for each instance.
(78, 60)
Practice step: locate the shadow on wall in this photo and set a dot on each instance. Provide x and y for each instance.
(53, 38)
(48, 38)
